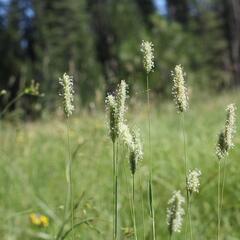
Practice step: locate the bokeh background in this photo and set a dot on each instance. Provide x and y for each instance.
(98, 41)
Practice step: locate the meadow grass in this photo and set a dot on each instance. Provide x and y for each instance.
(32, 173)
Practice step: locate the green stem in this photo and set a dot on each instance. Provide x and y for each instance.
(142, 201)
(133, 208)
(70, 185)
(190, 217)
(113, 180)
(150, 156)
(116, 193)
(115, 190)
(219, 182)
(75, 226)
(186, 169)
(222, 191)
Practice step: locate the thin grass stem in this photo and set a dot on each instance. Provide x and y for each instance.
(133, 207)
(142, 205)
(186, 171)
(11, 103)
(222, 190)
(70, 185)
(219, 183)
(113, 180)
(116, 193)
(190, 217)
(150, 156)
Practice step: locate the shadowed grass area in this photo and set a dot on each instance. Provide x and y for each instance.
(32, 173)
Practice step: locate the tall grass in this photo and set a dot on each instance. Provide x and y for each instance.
(148, 64)
(67, 93)
(225, 143)
(180, 95)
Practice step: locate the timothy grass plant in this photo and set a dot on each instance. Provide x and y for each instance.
(224, 144)
(116, 108)
(147, 49)
(66, 83)
(180, 95)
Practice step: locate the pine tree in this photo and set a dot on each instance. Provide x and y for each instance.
(66, 45)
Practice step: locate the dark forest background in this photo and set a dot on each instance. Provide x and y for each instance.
(98, 41)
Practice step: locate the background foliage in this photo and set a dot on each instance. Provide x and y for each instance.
(98, 43)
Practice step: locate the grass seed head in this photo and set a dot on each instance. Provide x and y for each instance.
(193, 180)
(221, 146)
(126, 135)
(136, 151)
(225, 138)
(66, 82)
(179, 89)
(148, 57)
(121, 98)
(111, 107)
(175, 212)
(116, 106)
(230, 126)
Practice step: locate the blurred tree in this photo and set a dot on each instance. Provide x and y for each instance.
(206, 28)
(66, 44)
(231, 14)
(98, 41)
(178, 10)
(147, 8)
(118, 38)
(105, 38)
(12, 55)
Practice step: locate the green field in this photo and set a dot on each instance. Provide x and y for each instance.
(32, 173)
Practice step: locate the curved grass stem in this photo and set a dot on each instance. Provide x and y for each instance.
(14, 100)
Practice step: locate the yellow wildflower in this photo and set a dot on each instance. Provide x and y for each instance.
(39, 220)
(44, 220)
(35, 220)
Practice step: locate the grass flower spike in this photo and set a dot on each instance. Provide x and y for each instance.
(179, 89)
(175, 212)
(193, 181)
(230, 127)
(225, 138)
(116, 106)
(67, 84)
(111, 107)
(121, 102)
(148, 57)
(126, 135)
(136, 152)
(221, 146)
